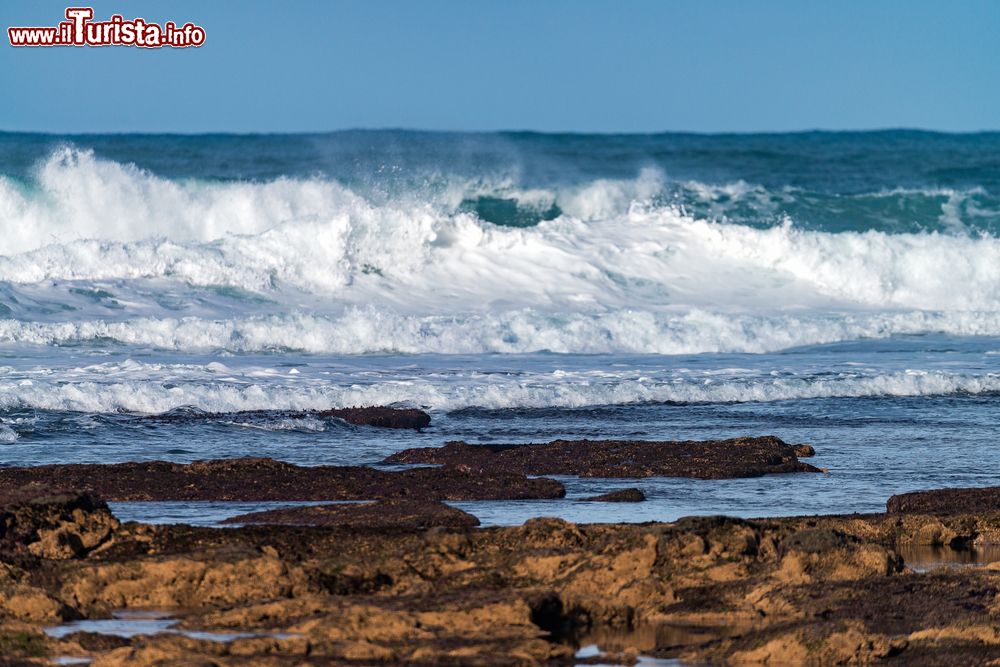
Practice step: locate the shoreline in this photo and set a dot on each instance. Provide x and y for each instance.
(275, 595)
(408, 579)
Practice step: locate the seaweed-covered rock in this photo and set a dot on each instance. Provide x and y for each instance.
(394, 513)
(632, 495)
(267, 479)
(382, 417)
(946, 501)
(709, 459)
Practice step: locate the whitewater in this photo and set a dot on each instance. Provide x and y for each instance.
(836, 288)
(146, 260)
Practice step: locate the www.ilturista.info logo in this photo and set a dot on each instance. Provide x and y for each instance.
(81, 30)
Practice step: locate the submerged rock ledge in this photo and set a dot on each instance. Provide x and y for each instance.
(267, 479)
(620, 496)
(710, 590)
(708, 459)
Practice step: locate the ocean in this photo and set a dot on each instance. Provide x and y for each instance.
(839, 289)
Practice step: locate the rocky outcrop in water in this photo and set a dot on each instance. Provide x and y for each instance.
(620, 496)
(267, 479)
(709, 459)
(378, 416)
(946, 501)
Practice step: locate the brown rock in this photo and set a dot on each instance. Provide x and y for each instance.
(804, 451)
(709, 590)
(50, 523)
(394, 513)
(30, 603)
(711, 459)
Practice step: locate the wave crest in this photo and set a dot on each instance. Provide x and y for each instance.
(613, 271)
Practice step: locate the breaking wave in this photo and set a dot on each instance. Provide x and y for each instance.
(609, 266)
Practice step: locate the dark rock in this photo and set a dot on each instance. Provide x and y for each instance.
(48, 522)
(817, 540)
(267, 479)
(623, 496)
(21, 644)
(711, 459)
(946, 501)
(382, 417)
(395, 513)
(96, 641)
(703, 524)
(371, 416)
(804, 451)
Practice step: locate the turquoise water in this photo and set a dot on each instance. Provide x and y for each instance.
(895, 181)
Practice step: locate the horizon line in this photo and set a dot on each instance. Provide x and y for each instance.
(414, 130)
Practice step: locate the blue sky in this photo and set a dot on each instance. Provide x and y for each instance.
(625, 66)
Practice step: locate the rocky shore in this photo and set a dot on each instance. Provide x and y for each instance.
(408, 579)
(354, 590)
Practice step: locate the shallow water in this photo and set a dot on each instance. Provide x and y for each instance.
(133, 622)
(884, 417)
(923, 558)
(593, 650)
(649, 638)
(195, 513)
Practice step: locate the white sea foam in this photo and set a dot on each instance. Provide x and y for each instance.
(78, 196)
(451, 393)
(615, 273)
(650, 258)
(646, 256)
(307, 424)
(370, 330)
